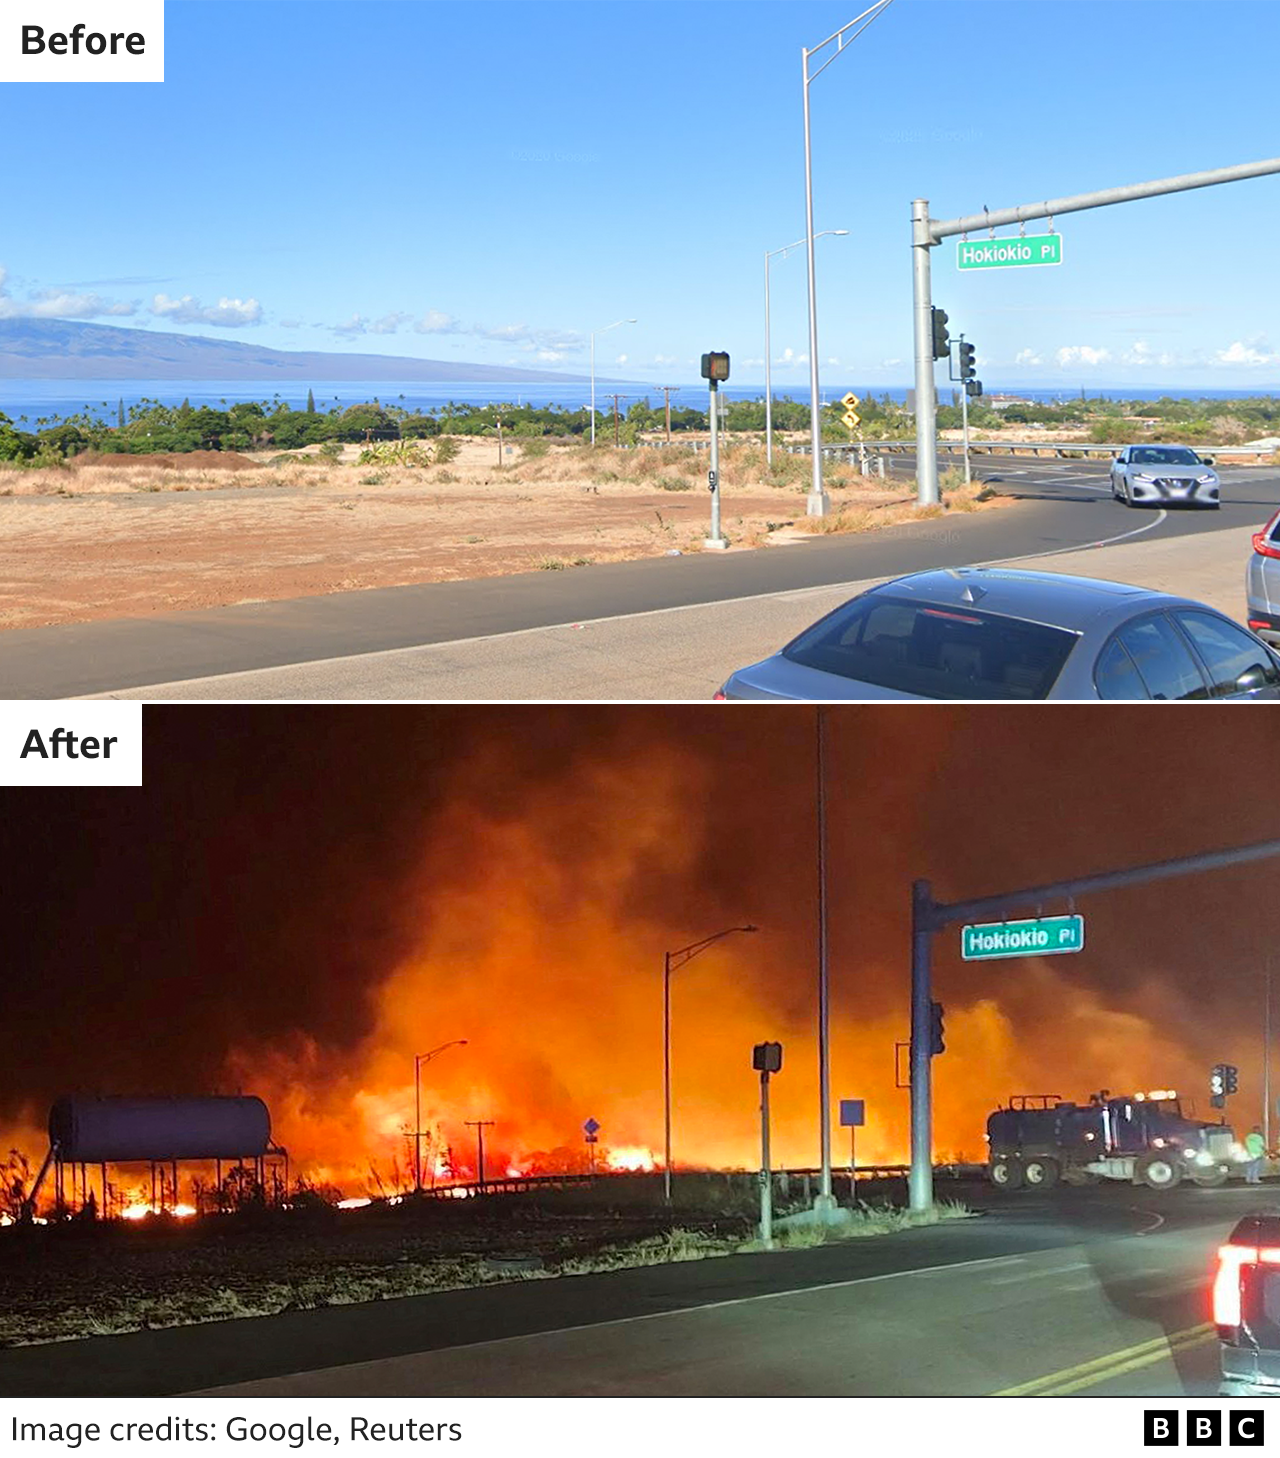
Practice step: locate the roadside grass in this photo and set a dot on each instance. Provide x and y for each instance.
(120, 1302)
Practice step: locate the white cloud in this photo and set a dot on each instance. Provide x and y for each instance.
(1259, 352)
(670, 359)
(1027, 357)
(58, 304)
(226, 313)
(1141, 353)
(621, 359)
(434, 321)
(1082, 354)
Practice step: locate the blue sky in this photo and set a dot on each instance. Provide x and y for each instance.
(489, 182)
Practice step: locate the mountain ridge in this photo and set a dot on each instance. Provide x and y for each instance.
(64, 349)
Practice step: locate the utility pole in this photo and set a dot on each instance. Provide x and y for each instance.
(479, 1125)
(667, 392)
(616, 398)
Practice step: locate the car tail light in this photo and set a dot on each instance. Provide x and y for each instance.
(1261, 625)
(1262, 543)
(1232, 1259)
(719, 697)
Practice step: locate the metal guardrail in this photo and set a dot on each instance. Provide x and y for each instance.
(1061, 449)
(533, 1184)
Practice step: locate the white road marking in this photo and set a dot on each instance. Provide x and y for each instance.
(794, 594)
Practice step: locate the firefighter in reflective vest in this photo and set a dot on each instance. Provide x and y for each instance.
(1255, 1148)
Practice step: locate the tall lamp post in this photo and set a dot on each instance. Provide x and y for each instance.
(818, 503)
(418, 1060)
(594, 332)
(671, 963)
(768, 386)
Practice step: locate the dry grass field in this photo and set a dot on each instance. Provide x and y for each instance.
(133, 536)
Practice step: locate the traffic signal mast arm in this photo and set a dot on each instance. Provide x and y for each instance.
(980, 222)
(929, 916)
(938, 914)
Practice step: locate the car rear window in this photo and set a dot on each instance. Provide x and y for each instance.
(935, 651)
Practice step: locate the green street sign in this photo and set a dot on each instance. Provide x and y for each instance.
(1010, 252)
(1041, 936)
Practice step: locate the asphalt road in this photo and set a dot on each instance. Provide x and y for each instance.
(1097, 1291)
(1062, 507)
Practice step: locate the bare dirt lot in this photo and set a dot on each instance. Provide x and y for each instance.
(132, 536)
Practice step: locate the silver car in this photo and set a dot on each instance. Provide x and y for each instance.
(1262, 583)
(1161, 475)
(996, 633)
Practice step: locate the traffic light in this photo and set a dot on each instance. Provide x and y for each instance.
(941, 339)
(967, 367)
(1218, 1085)
(973, 388)
(1231, 1076)
(936, 1030)
(767, 1057)
(715, 366)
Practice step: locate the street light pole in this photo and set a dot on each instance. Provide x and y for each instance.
(818, 502)
(418, 1060)
(594, 332)
(768, 384)
(671, 962)
(826, 1200)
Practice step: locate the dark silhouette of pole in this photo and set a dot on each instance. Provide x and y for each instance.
(671, 962)
(479, 1125)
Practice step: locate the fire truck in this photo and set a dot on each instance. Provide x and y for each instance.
(1143, 1138)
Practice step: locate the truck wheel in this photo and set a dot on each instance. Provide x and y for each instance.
(1211, 1178)
(1005, 1173)
(1157, 1172)
(1040, 1173)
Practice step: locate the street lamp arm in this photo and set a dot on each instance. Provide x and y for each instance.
(838, 36)
(421, 1058)
(800, 242)
(687, 954)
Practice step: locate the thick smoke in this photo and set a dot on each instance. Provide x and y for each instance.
(299, 900)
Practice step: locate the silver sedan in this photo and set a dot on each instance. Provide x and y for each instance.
(1160, 475)
(996, 633)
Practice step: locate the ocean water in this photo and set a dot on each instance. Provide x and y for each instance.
(26, 402)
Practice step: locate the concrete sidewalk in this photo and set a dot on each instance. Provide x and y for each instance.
(685, 652)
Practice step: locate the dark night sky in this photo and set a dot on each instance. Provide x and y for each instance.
(278, 863)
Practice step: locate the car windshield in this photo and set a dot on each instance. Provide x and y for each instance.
(935, 651)
(1164, 456)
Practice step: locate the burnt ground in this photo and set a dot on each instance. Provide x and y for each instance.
(78, 1278)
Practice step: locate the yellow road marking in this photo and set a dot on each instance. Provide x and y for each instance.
(1114, 1364)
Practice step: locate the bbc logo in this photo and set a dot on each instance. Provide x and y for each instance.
(1204, 1428)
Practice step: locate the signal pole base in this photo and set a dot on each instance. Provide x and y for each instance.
(818, 503)
(715, 544)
